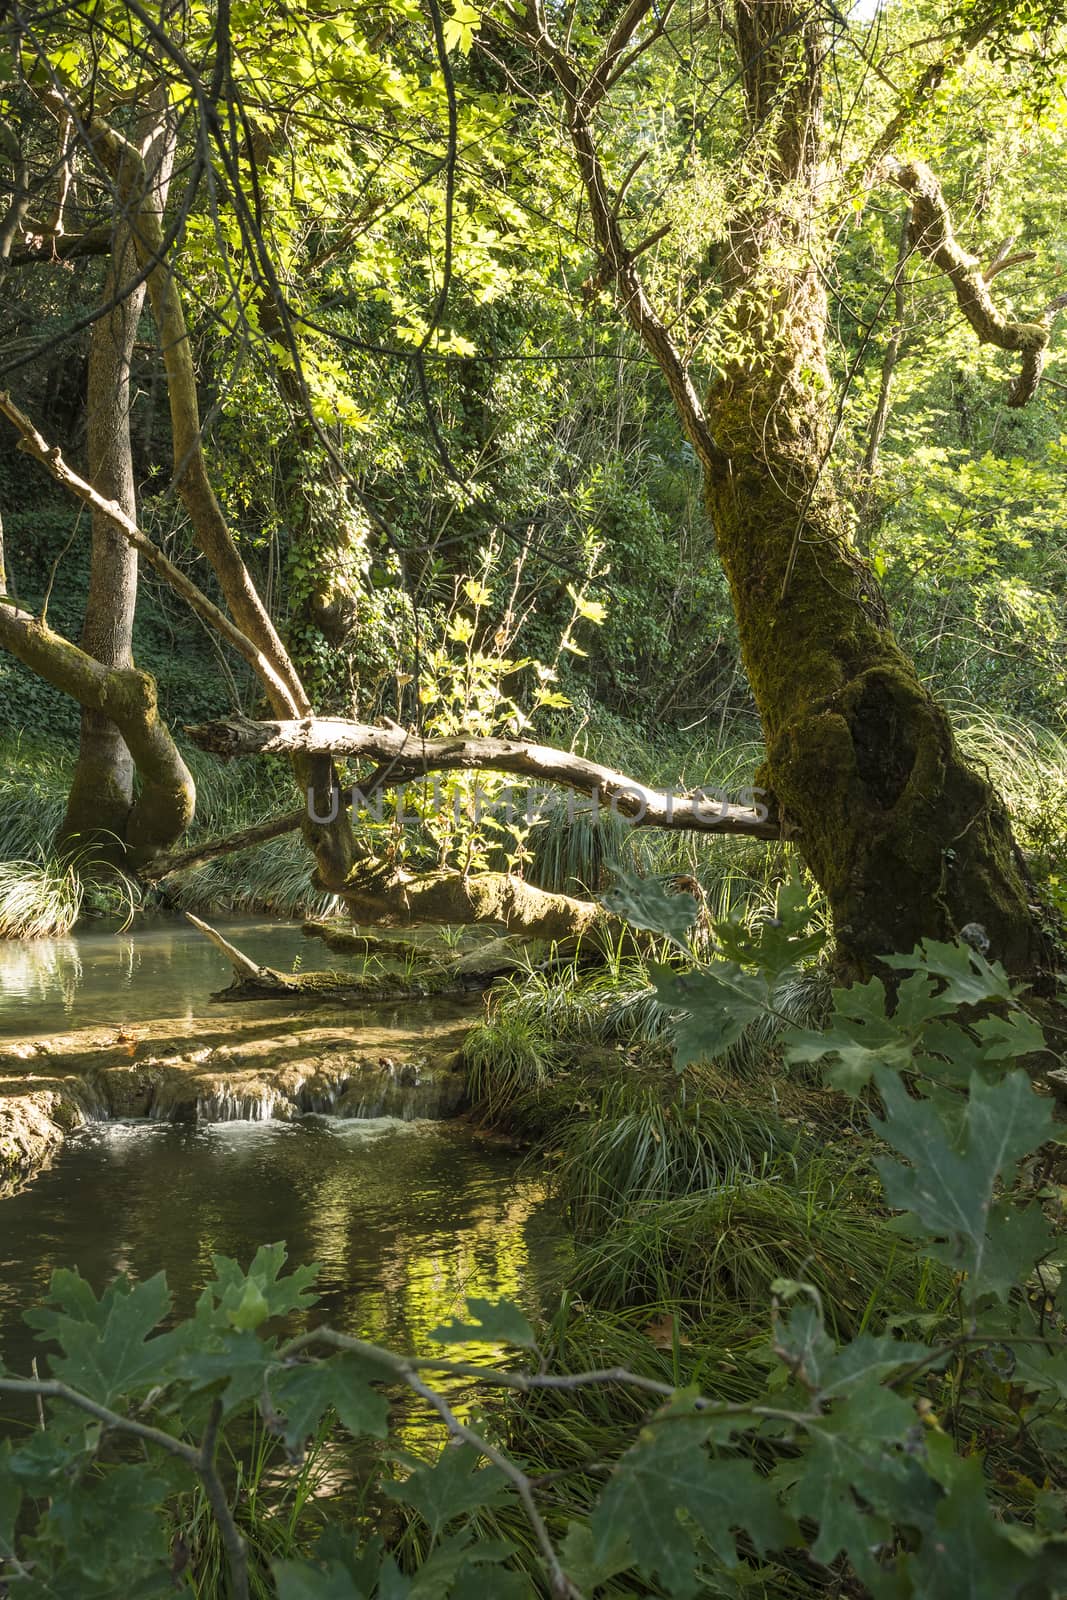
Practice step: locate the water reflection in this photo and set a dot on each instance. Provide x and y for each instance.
(160, 969)
(406, 1219)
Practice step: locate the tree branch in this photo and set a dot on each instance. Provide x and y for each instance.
(197, 855)
(932, 234)
(41, 245)
(125, 695)
(202, 1460)
(617, 260)
(335, 737)
(50, 457)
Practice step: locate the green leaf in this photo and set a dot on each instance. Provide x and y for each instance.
(281, 1294)
(251, 1310)
(452, 1485)
(582, 1562)
(495, 1322)
(669, 1472)
(305, 1392)
(832, 1372)
(300, 1580)
(854, 1453)
(474, 1584)
(238, 1362)
(1040, 1369)
(645, 903)
(1016, 1238)
(716, 1005)
(775, 943)
(107, 1352)
(453, 1569)
(949, 1185)
(969, 979)
(107, 1529)
(860, 1039)
(966, 1553)
(10, 1498)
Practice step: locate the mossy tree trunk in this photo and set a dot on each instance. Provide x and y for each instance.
(906, 839)
(904, 836)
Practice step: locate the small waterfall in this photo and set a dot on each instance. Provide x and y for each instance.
(321, 1101)
(405, 1091)
(361, 1089)
(228, 1105)
(87, 1099)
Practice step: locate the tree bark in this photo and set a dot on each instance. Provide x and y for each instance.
(123, 695)
(905, 838)
(332, 844)
(408, 756)
(101, 809)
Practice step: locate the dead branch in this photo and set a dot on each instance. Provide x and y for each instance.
(198, 855)
(412, 755)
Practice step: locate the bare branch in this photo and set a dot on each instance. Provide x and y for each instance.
(1001, 263)
(333, 736)
(197, 855)
(616, 259)
(39, 245)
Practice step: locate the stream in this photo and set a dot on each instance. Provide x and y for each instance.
(405, 1217)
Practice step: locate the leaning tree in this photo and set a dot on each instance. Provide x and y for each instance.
(906, 838)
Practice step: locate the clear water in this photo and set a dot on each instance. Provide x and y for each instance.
(406, 1219)
(159, 968)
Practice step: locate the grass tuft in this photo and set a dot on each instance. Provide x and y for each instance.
(722, 1249)
(635, 1152)
(507, 1058)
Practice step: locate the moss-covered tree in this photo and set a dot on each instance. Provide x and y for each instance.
(907, 839)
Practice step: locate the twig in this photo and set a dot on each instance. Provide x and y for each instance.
(236, 1553)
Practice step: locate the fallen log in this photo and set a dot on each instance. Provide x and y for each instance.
(408, 755)
(253, 982)
(404, 898)
(347, 942)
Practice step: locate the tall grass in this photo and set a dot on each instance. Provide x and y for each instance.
(636, 1152)
(507, 1058)
(724, 1247)
(43, 895)
(618, 1005)
(34, 780)
(275, 878)
(1027, 764)
(278, 1507)
(38, 898)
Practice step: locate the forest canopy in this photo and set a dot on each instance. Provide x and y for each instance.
(585, 480)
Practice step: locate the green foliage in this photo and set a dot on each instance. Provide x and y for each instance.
(45, 895)
(726, 1245)
(848, 1440)
(634, 1153)
(506, 1057)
